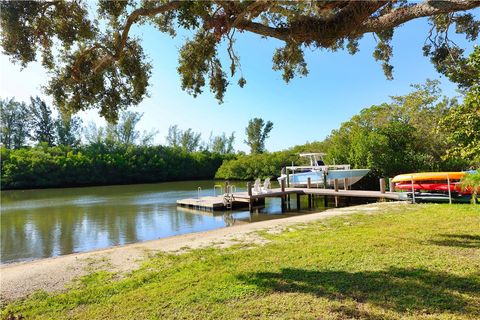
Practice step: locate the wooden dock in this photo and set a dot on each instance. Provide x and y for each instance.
(249, 199)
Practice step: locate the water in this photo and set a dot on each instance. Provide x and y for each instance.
(51, 222)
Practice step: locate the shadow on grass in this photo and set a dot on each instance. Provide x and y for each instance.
(394, 289)
(458, 240)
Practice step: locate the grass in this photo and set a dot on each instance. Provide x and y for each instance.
(412, 262)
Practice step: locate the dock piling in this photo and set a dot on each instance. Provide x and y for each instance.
(382, 188)
(309, 185)
(249, 192)
(382, 185)
(282, 198)
(335, 187)
(345, 183)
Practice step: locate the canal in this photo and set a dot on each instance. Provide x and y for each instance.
(51, 222)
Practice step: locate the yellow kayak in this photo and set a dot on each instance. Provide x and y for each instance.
(425, 176)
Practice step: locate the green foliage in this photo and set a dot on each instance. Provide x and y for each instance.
(465, 71)
(14, 123)
(471, 181)
(188, 140)
(420, 131)
(68, 130)
(250, 167)
(290, 59)
(462, 129)
(42, 122)
(102, 164)
(222, 144)
(402, 136)
(257, 132)
(402, 262)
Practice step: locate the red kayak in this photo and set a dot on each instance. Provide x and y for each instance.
(442, 187)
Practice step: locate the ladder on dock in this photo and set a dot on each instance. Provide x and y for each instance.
(228, 197)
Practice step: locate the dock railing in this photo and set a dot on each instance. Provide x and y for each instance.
(215, 187)
(333, 167)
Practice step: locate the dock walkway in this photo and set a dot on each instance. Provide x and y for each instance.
(245, 199)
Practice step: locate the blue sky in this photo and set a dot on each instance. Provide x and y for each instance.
(338, 86)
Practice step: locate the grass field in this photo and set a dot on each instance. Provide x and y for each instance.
(412, 262)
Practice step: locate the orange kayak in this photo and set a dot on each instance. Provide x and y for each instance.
(428, 176)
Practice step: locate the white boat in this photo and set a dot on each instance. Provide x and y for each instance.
(321, 173)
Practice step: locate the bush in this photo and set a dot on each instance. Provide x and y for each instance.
(99, 164)
(255, 166)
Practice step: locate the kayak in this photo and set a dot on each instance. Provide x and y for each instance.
(442, 187)
(435, 197)
(428, 176)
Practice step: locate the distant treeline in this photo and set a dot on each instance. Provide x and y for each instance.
(40, 150)
(45, 167)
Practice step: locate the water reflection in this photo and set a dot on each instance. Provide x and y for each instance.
(44, 223)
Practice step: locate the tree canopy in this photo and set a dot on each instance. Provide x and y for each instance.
(95, 62)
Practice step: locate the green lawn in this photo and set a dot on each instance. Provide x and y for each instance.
(413, 262)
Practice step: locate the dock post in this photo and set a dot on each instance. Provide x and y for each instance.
(288, 180)
(298, 201)
(382, 185)
(335, 187)
(391, 186)
(282, 198)
(345, 183)
(309, 185)
(249, 190)
(382, 188)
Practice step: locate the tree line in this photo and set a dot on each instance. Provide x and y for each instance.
(420, 131)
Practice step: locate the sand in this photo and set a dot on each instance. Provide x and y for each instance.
(18, 280)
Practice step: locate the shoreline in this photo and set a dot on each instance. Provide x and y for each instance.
(19, 279)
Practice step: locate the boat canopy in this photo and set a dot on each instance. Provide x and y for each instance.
(316, 163)
(316, 158)
(321, 154)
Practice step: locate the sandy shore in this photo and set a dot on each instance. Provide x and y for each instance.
(21, 279)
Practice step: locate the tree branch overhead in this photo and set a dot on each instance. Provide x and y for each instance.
(100, 65)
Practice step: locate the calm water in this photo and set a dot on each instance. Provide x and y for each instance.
(51, 222)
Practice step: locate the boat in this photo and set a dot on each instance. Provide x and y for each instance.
(321, 173)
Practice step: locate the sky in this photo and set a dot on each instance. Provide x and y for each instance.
(338, 86)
